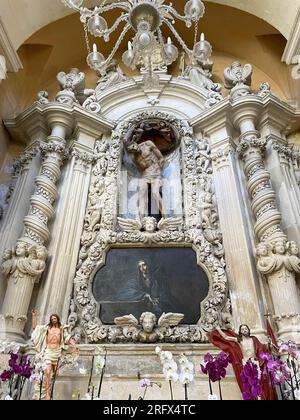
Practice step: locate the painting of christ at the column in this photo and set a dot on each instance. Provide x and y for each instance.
(157, 280)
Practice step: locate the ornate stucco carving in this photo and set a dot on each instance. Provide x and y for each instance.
(221, 157)
(264, 206)
(18, 167)
(238, 79)
(43, 97)
(41, 209)
(91, 104)
(148, 329)
(277, 258)
(72, 86)
(285, 152)
(101, 229)
(24, 261)
(112, 75)
(264, 89)
(200, 74)
(23, 267)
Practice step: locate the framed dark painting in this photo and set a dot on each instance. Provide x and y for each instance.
(137, 280)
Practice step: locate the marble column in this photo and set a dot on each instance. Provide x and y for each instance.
(55, 295)
(244, 287)
(280, 164)
(277, 258)
(245, 292)
(25, 265)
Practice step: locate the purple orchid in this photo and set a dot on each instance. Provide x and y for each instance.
(216, 366)
(6, 375)
(277, 369)
(251, 382)
(144, 383)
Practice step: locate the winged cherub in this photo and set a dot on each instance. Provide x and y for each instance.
(148, 230)
(147, 329)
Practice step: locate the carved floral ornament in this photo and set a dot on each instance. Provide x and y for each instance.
(103, 231)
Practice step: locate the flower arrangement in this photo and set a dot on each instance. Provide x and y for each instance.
(216, 369)
(18, 372)
(186, 376)
(170, 369)
(251, 381)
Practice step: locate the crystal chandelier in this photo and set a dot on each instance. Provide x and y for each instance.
(145, 18)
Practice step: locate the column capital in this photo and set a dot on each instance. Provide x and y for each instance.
(251, 140)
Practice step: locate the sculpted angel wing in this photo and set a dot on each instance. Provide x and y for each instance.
(129, 225)
(247, 73)
(61, 78)
(126, 321)
(170, 320)
(170, 224)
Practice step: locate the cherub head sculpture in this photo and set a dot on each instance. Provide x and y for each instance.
(149, 224)
(148, 321)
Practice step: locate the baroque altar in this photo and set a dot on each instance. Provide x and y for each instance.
(148, 215)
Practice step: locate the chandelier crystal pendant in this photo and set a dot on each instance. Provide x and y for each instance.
(145, 18)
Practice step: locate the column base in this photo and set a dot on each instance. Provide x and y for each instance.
(11, 328)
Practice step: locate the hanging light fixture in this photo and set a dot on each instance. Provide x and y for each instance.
(145, 18)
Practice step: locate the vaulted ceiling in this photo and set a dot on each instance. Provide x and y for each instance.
(25, 17)
(48, 38)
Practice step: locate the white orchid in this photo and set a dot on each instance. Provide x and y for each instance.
(83, 371)
(171, 375)
(297, 394)
(8, 398)
(166, 356)
(187, 370)
(99, 364)
(158, 350)
(170, 369)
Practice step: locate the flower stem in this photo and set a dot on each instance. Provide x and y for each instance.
(41, 385)
(210, 387)
(145, 392)
(220, 391)
(171, 390)
(91, 375)
(186, 392)
(102, 375)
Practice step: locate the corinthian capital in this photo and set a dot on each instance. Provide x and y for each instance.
(82, 157)
(251, 140)
(50, 147)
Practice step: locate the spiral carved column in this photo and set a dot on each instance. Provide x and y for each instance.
(277, 258)
(41, 211)
(24, 265)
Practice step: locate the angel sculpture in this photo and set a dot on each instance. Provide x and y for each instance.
(74, 82)
(147, 329)
(238, 75)
(148, 230)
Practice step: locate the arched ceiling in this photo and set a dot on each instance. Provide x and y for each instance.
(22, 18)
